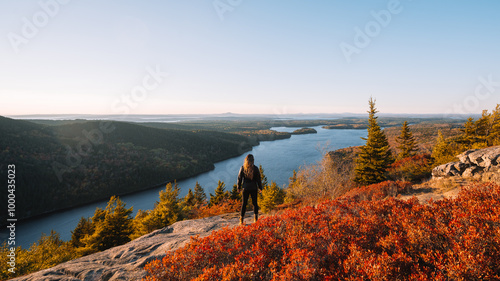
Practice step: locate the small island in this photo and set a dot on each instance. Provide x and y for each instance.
(346, 126)
(304, 131)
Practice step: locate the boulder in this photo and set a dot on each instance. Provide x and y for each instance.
(492, 157)
(493, 175)
(472, 171)
(446, 170)
(485, 157)
(461, 167)
(464, 157)
(471, 163)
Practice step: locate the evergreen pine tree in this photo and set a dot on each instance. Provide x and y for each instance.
(142, 224)
(113, 230)
(235, 195)
(272, 195)
(167, 210)
(220, 194)
(482, 128)
(199, 194)
(375, 156)
(442, 151)
(189, 199)
(407, 144)
(83, 228)
(468, 137)
(99, 216)
(47, 252)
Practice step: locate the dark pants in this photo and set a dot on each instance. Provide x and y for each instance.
(247, 193)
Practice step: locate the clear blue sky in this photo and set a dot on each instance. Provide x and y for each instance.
(248, 56)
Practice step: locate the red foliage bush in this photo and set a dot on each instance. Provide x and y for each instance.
(412, 169)
(379, 191)
(224, 207)
(349, 239)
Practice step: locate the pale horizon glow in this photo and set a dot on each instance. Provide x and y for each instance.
(248, 57)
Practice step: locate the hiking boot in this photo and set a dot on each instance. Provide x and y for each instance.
(241, 221)
(255, 217)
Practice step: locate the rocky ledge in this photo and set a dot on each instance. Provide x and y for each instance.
(472, 163)
(126, 262)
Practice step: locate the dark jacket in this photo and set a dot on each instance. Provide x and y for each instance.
(249, 184)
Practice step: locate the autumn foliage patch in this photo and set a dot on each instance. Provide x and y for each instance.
(412, 168)
(224, 207)
(379, 191)
(352, 239)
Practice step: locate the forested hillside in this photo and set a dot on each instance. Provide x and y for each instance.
(66, 165)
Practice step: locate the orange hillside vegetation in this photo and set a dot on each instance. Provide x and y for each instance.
(350, 239)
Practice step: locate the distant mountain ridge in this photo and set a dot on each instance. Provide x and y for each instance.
(66, 165)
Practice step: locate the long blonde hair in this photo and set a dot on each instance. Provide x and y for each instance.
(248, 166)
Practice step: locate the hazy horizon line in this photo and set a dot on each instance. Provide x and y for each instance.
(228, 114)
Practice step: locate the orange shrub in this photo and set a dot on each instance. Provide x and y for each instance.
(349, 239)
(412, 169)
(224, 207)
(379, 191)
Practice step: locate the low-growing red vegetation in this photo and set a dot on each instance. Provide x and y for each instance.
(412, 168)
(379, 191)
(351, 239)
(224, 207)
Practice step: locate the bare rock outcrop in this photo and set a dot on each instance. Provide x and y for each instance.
(471, 164)
(126, 262)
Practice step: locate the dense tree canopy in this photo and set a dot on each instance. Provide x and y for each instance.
(407, 143)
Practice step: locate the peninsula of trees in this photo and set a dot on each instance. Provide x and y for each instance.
(304, 131)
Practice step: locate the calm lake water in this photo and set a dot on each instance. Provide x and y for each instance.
(278, 158)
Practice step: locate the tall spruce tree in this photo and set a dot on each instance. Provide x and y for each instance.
(199, 194)
(442, 151)
(468, 137)
(483, 128)
(84, 227)
(375, 156)
(220, 194)
(114, 229)
(166, 212)
(407, 144)
(189, 199)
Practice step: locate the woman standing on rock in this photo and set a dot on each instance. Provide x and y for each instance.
(250, 181)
